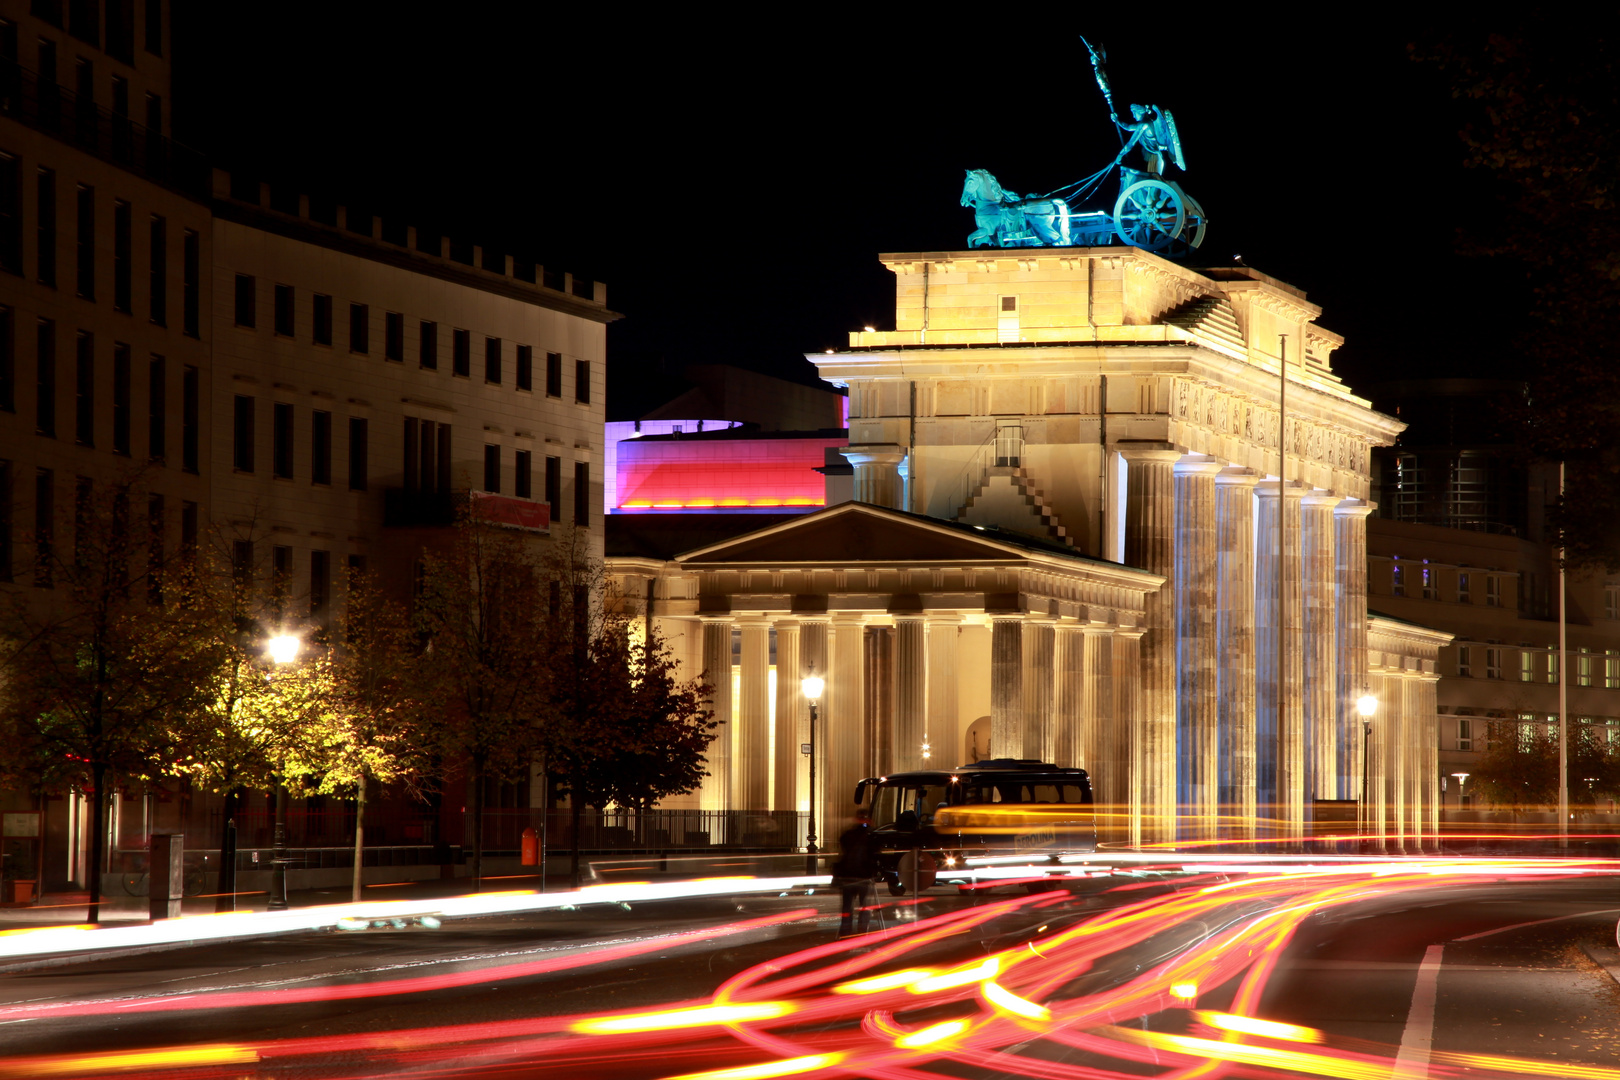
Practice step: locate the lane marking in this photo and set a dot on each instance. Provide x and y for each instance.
(1418, 1037)
(1537, 922)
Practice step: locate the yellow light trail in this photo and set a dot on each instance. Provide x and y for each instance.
(683, 1018)
(785, 1067)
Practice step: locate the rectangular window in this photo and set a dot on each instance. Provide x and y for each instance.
(154, 130)
(554, 487)
(1427, 574)
(10, 214)
(45, 379)
(359, 328)
(123, 257)
(1465, 733)
(1493, 591)
(320, 449)
(8, 360)
(394, 337)
(1552, 666)
(426, 471)
(121, 404)
(492, 468)
(1397, 574)
(190, 283)
(1611, 669)
(1464, 662)
(188, 532)
(5, 521)
(154, 27)
(154, 550)
(413, 453)
(525, 367)
(121, 30)
(44, 528)
(189, 419)
(522, 475)
(281, 569)
(281, 441)
(84, 390)
(158, 273)
(443, 461)
(245, 301)
(461, 353)
(357, 453)
(429, 346)
(1583, 668)
(1493, 663)
(242, 563)
(582, 493)
(320, 585)
(285, 321)
(84, 21)
(1611, 601)
(553, 374)
(45, 254)
(321, 318)
(1527, 666)
(242, 434)
(1463, 596)
(87, 242)
(582, 381)
(492, 360)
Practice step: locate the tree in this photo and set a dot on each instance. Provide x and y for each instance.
(665, 727)
(1520, 765)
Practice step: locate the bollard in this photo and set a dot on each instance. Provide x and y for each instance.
(166, 874)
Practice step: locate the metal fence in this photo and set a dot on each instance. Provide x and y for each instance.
(327, 828)
(655, 830)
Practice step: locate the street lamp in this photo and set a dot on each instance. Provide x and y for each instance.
(1462, 781)
(1366, 705)
(813, 685)
(281, 649)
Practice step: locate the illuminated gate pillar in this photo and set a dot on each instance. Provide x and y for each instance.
(1039, 646)
(815, 656)
(911, 691)
(1280, 738)
(1320, 685)
(1350, 631)
(1007, 686)
(1129, 740)
(1150, 544)
(753, 746)
(1234, 646)
(1072, 731)
(841, 756)
(944, 632)
(716, 791)
(789, 707)
(1197, 748)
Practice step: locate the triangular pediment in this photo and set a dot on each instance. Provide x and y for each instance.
(853, 533)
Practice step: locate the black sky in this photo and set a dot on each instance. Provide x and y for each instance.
(732, 178)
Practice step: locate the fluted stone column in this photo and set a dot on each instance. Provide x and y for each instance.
(910, 690)
(1279, 739)
(1234, 646)
(877, 709)
(1320, 647)
(1377, 812)
(815, 657)
(877, 473)
(1350, 633)
(1070, 730)
(846, 689)
(1394, 740)
(1197, 745)
(942, 716)
(785, 774)
(1128, 741)
(754, 717)
(1431, 761)
(1413, 751)
(1150, 544)
(1007, 686)
(716, 791)
(1039, 643)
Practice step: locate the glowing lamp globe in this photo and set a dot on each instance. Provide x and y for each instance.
(1366, 705)
(283, 649)
(813, 686)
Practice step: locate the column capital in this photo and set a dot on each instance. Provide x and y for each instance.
(1267, 489)
(1133, 451)
(1236, 476)
(1198, 465)
(874, 454)
(716, 617)
(1130, 633)
(1321, 498)
(751, 620)
(848, 618)
(943, 618)
(1354, 508)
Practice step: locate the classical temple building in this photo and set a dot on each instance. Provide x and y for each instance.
(1069, 469)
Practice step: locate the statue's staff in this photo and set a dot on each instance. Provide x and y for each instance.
(1102, 84)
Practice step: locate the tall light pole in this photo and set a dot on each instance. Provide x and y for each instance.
(1563, 684)
(812, 686)
(281, 649)
(1366, 705)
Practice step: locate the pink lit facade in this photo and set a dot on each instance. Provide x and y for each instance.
(721, 474)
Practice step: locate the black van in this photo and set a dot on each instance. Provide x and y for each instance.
(1002, 806)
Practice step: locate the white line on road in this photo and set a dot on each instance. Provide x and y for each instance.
(1537, 922)
(1418, 1038)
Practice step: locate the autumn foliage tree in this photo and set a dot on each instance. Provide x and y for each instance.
(1519, 768)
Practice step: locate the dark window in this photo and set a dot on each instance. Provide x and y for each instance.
(430, 345)
(49, 10)
(45, 254)
(45, 379)
(87, 242)
(246, 301)
(359, 328)
(554, 487)
(44, 527)
(154, 129)
(191, 283)
(83, 501)
(554, 597)
(357, 567)
(8, 361)
(5, 521)
(443, 459)
(320, 584)
(492, 360)
(525, 367)
(121, 399)
(154, 27)
(242, 563)
(320, 449)
(460, 353)
(84, 390)
(84, 20)
(582, 493)
(281, 441)
(426, 471)
(158, 274)
(582, 381)
(492, 468)
(10, 214)
(188, 532)
(189, 422)
(122, 257)
(281, 568)
(284, 310)
(84, 94)
(322, 318)
(242, 435)
(357, 453)
(154, 549)
(553, 374)
(50, 92)
(121, 30)
(157, 409)
(413, 454)
(522, 475)
(394, 337)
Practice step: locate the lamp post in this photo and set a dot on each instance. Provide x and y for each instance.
(1462, 781)
(812, 685)
(281, 649)
(1366, 705)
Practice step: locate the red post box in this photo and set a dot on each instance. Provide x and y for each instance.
(531, 847)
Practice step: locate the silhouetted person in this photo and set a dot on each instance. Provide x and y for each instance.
(854, 870)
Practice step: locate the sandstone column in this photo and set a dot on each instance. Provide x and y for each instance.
(1320, 647)
(877, 473)
(1376, 811)
(1413, 751)
(1197, 748)
(815, 657)
(1350, 632)
(942, 718)
(911, 691)
(841, 762)
(1039, 643)
(1107, 759)
(1150, 544)
(877, 708)
(785, 774)
(1129, 741)
(1279, 739)
(753, 747)
(1071, 731)
(716, 791)
(1007, 686)
(1394, 745)
(1431, 761)
(1234, 646)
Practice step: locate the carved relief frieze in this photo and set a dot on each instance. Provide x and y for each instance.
(1182, 291)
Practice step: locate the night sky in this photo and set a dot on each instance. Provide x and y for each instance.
(732, 181)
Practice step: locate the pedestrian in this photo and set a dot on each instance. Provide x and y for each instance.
(854, 870)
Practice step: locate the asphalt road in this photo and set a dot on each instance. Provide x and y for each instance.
(1496, 969)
